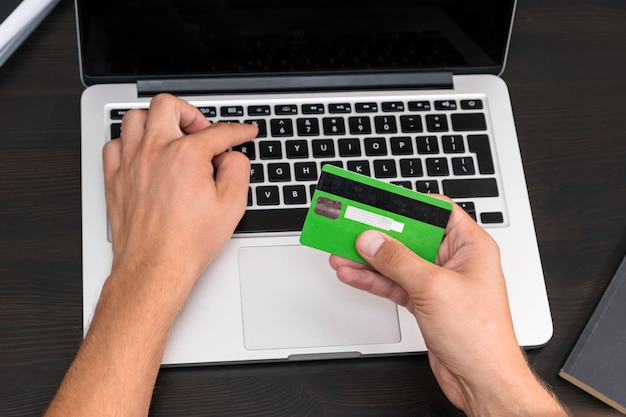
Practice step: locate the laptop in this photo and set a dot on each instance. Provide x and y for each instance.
(405, 91)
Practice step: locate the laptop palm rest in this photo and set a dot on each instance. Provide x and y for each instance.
(291, 298)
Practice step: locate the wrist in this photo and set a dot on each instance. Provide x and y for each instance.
(136, 291)
(155, 278)
(518, 393)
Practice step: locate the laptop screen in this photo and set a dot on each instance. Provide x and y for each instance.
(127, 40)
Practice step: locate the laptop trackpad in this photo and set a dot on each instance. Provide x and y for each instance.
(291, 298)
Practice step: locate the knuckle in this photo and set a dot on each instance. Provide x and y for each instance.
(162, 98)
(395, 255)
(184, 150)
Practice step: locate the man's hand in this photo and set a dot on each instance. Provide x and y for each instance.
(174, 197)
(461, 306)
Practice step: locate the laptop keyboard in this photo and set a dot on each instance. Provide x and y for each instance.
(438, 145)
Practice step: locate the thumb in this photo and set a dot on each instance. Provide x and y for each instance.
(393, 259)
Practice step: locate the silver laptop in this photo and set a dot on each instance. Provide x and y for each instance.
(405, 91)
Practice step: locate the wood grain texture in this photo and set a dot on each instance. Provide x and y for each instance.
(566, 78)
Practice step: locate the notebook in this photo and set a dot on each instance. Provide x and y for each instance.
(405, 91)
(597, 362)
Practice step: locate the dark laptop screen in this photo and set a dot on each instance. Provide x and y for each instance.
(125, 40)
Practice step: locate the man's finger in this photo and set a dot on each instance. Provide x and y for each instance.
(392, 259)
(133, 128)
(219, 137)
(232, 176)
(336, 262)
(111, 158)
(170, 117)
(371, 281)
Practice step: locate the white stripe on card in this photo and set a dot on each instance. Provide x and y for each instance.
(373, 219)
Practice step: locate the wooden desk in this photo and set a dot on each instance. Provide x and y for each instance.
(567, 76)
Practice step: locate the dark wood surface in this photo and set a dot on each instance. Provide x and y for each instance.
(567, 77)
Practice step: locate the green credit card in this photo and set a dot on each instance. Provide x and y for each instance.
(345, 204)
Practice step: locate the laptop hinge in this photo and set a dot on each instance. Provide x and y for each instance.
(273, 84)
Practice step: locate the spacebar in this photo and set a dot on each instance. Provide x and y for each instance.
(482, 187)
(274, 220)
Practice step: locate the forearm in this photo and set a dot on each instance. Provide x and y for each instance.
(174, 196)
(520, 394)
(115, 371)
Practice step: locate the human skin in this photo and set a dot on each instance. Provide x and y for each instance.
(174, 197)
(461, 306)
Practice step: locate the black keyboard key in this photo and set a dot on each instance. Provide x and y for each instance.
(338, 164)
(285, 109)
(401, 145)
(297, 149)
(360, 167)
(270, 149)
(453, 144)
(259, 110)
(385, 124)
(116, 130)
(471, 104)
(312, 109)
(437, 123)
(260, 123)
(393, 106)
(469, 207)
(360, 125)
(305, 171)
(366, 107)
(479, 144)
(464, 122)
(118, 114)
(323, 148)
(339, 108)
(231, 111)
(411, 124)
(267, 195)
(427, 187)
(249, 196)
(247, 149)
(375, 146)
(419, 105)
(385, 168)
(208, 111)
(334, 126)
(256, 173)
(274, 220)
(349, 147)
(281, 128)
(463, 166)
(437, 167)
(403, 184)
(427, 145)
(445, 105)
(278, 172)
(294, 194)
(495, 217)
(411, 168)
(468, 188)
(308, 127)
